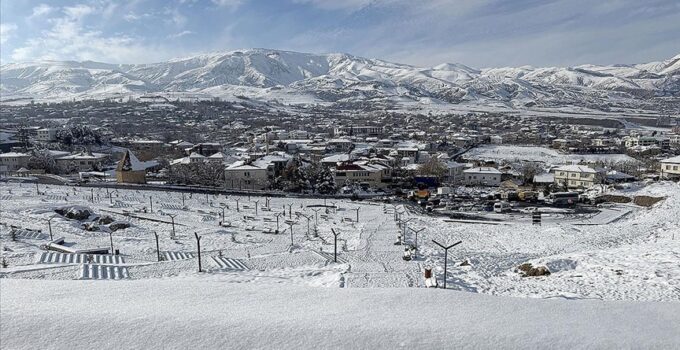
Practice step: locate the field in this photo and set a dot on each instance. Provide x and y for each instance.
(623, 253)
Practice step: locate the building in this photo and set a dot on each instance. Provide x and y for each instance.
(46, 135)
(670, 168)
(246, 174)
(83, 161)
(359, 130)
(575, 176)
(454, 172)
(485, 176)
(367, 173)
(131, 170)
(13, 161)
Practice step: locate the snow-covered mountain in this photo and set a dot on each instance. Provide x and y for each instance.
(285, 77)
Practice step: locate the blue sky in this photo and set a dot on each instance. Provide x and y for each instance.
(478, 33)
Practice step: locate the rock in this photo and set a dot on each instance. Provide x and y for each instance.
(74, 213)
(529, 271)
(118, 225)
(91, 227)
(105, 220)
(465, 263)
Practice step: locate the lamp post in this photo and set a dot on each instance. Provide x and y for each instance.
(256, 202)
(238, 208)
(446, 255)
(224, 206)
(290, 211)
(183, 200)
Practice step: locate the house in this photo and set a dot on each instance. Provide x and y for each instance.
(359, 130)
(454, 172)
(369, 173)
(575, 176)
(247, 174)
(340, 145)
(46, 135)
(485, 176)
(83, 161)
(14, 161)
(205, 149)
(670, 168)
(132, 170)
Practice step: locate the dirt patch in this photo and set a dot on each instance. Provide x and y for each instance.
(647, 201)
(611, 198)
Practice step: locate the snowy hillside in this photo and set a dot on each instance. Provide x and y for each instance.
(303, 78)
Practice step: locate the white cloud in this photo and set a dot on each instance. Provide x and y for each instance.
(69, 39)
(79, 11)
(180, 34)
(230, 4)
(6, 31)
(42, 10)
(351, 5)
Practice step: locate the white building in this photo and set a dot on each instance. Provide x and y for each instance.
(46, 135)
(575, 176)
(247, 175)
(485, 176)
(372, 174)
(82, 161)
(13, 161)
(670, 168)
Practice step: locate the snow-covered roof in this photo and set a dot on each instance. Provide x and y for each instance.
(343, 157)
(13, 155)
(483, 170)
(544, 178)
(576, 168)
(674, 160)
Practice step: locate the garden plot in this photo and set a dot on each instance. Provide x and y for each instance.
(103, 272)
(65, 258)
(630, 256)
(229, 263)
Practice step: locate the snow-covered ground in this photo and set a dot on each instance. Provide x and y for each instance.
(200, 314)
(539, 154)
(627, 257)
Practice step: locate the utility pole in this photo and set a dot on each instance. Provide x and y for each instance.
(172, 217)
(158, 250)
(37, 190)
(446, 255)
(92, 194)
(198, 248)
(335, 245)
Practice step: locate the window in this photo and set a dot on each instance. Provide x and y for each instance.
(675, 167)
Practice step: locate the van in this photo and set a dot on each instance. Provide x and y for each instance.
(500, 207)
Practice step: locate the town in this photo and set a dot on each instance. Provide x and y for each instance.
(229, 147)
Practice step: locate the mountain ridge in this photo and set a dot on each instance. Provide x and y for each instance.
(288, 77)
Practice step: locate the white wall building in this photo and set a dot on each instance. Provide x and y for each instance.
(484, 176)
(670, 168)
